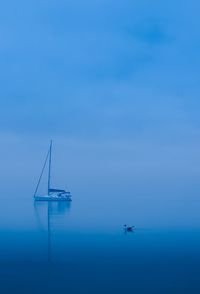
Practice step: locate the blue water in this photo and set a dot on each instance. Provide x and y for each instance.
(55, 248)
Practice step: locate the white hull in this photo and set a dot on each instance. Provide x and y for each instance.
(53, 198)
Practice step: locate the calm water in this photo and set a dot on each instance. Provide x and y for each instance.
(81, 248)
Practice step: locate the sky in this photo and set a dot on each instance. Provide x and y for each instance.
(115, 84)
(86, 69)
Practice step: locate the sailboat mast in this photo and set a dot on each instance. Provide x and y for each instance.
(49, 175)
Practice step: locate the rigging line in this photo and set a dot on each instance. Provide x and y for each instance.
(49, 174)
(42, 173)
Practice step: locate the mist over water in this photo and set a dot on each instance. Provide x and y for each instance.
(150, 185)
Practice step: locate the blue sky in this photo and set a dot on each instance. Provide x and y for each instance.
(114, 83)
(99, 68)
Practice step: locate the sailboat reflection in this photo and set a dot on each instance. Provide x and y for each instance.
(54, 213)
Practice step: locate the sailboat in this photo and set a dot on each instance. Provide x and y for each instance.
(52, 194)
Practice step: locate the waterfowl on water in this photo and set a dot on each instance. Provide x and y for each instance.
(129, 229)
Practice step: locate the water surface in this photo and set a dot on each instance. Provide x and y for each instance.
(78, 248)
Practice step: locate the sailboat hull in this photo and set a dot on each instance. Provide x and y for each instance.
(53, 198)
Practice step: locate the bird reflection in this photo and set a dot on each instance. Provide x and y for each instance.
(51, 210)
